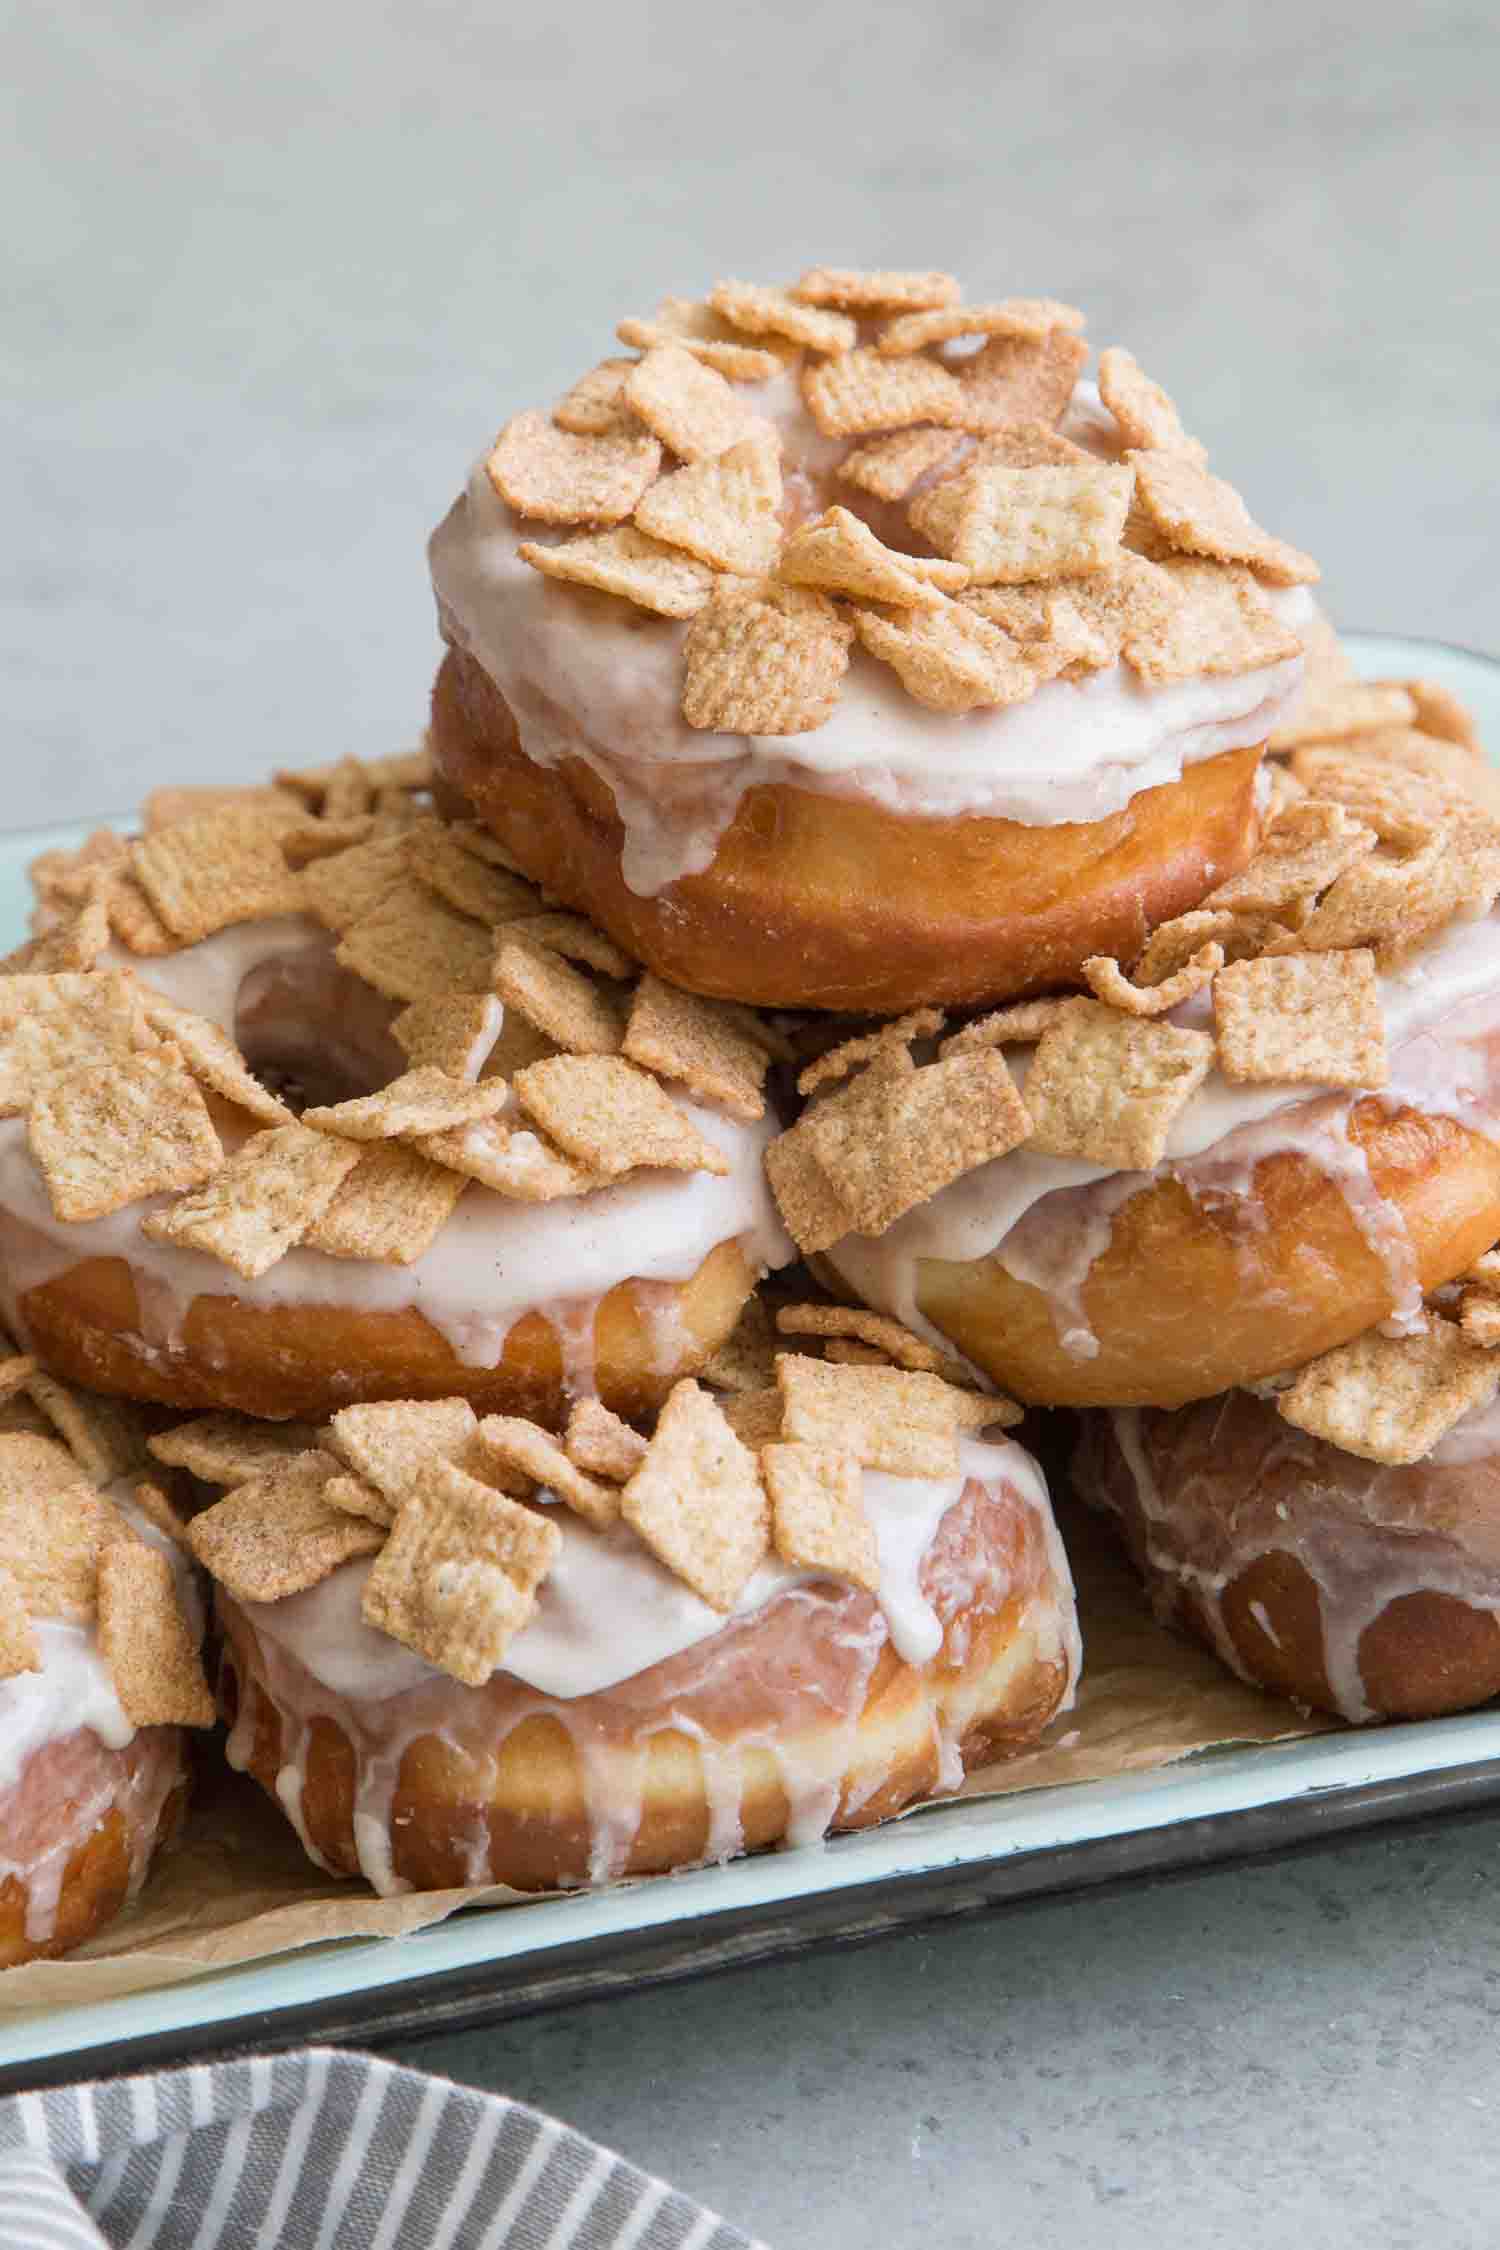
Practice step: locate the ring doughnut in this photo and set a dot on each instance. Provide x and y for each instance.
(1279, 1222)
(630, 1725)
(816, 900)
(622, 1286)
(919, 843)
(1366, 1589)
(87, 1797)
(83, 1822)
(801, 1718)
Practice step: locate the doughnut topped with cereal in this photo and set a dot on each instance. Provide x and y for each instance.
(461, 1650)
(307, 1096)
(844, 646)
(1274, 1128)
(101, 1623)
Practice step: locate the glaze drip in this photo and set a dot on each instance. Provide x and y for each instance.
(623, 1663)
(1219, 1486)
(1046, 1219)
(69, 1755)
(479, 1278)
(587, 676)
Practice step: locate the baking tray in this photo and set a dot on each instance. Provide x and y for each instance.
(943, 1861)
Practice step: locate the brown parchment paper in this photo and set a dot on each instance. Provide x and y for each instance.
(238, 1889)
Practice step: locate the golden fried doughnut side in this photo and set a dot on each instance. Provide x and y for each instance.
(298, 1360)
(537, 1822)
(1354, 1588)
(513, 1776)
(1192, 1296)
(816, 900)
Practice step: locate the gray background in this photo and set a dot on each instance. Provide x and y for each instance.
(274, 276)
(280, 272)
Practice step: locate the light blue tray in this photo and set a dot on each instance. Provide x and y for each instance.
(946, 1860)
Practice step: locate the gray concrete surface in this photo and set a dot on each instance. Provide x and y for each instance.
(1246, 2060)
(271, 276)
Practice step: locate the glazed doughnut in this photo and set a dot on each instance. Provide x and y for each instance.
(820, 900)
(516, 1303)
(84, 1818)
(904, 848)
(1361, 1588)
(1279, 1223)
(634, 1729)
(87, 1798)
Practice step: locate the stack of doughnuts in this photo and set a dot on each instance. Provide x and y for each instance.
(877, 812)
(903, 672)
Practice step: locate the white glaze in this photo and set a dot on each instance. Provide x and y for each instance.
(74, 1687)
(493, 1262)
(1475, 1437)
(74, 1690)
(613, 1631)
(591, 677)
(651, 1615)
(1373, 1537)
(1046, 1218)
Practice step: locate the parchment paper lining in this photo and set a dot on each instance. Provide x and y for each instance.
(237, 1889)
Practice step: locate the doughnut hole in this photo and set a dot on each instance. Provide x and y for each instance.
(313, 1032)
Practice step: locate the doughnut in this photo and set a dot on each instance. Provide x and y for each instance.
(1265, 1200)
(1368, 1589)
(962, 809)
(1273, 1229)
(87, 1795)
(821, 900)
(631, 1725)
(623, 1280)
(84, 1817)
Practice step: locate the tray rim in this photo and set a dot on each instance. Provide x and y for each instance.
(974, 1854)
(940, 1862)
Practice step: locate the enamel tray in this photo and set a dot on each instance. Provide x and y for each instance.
(946, 1860)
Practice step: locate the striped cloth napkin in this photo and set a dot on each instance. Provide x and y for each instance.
(321, 2151)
